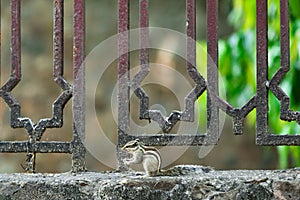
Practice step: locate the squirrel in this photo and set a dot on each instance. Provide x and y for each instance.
(151, 160)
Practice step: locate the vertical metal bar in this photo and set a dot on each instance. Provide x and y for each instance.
(144, 34)
(191, 33)
(15, 43)
(284, 35)
(78, 154)
(212, 69)
(58, 64)
(16, 76)
(58, 40)
(188, 114)
(0, 47)
(261, 70)
(144, 59)
(123, 76)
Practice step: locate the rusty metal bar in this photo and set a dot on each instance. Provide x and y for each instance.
(123, 65)
(285, 113)
(16, 120)
(58, 66)
(188, 113)
(261, 71)
(0, 46)
(78, 153)
(15, 76)
(40, 147)
(284, 35)
(58, 44)
(123, 77)
(277, 140)
(171, 139)
(15, 44)
(58, 40)
(144, 34)
(212, 69)
(200, 83)
(144, 60)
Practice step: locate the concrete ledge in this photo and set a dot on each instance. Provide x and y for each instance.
(197, 182)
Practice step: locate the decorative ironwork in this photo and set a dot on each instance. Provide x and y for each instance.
(35, 130)
(214, 101)
(167, 123)
(264, 85)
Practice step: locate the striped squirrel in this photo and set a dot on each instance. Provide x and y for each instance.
(151, 160)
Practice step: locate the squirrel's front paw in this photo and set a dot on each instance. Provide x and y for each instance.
(126, 162)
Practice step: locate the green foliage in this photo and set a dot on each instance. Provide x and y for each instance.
(238, 61)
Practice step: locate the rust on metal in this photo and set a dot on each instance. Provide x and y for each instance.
(123, 77)
(262, 70)
(212, 69)
(78, 149)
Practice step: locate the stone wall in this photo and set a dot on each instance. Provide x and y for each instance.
(194, 182)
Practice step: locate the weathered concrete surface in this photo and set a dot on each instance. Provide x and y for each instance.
(197, 183)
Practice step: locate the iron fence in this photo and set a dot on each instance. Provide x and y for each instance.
(126, 84)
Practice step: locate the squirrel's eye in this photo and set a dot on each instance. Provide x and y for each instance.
(134, 144)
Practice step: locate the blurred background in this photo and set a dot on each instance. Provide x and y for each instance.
(37, 90)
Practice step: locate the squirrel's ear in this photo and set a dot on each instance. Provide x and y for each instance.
(137, 140)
